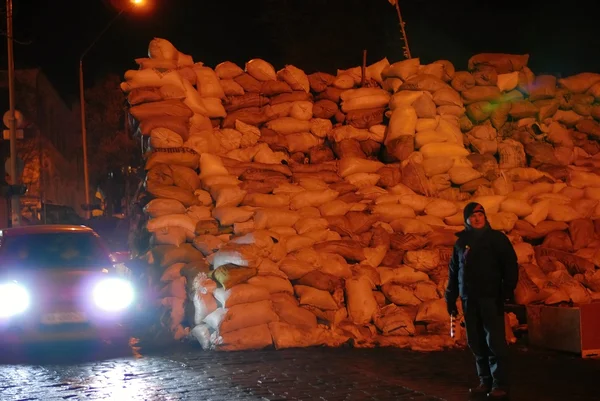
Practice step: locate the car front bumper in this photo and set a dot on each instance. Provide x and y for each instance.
(31, 329)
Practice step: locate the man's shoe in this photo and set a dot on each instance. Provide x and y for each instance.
(497, 393)
(481, 389)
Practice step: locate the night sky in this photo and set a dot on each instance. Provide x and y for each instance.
(311, 34)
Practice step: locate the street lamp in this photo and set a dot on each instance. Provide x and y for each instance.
(134, 3)
(15, 203)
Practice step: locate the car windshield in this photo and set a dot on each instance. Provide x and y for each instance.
(53, 250)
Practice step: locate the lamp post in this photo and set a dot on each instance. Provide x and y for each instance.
(86, 179)
(15, 203)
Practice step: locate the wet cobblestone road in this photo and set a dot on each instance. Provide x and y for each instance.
(90, 372)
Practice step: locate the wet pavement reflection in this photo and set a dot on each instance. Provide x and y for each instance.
(129, 372)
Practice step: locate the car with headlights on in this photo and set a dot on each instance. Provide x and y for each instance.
(60, 282)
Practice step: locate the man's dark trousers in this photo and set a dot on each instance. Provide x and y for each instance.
(484, 321)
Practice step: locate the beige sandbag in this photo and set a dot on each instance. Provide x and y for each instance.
(462, 175)
(401, 275)
(228, 70)
(434, 150)
(288, 336)
(410, 226)
(491, 203)
(208, 83)
(422, 260)
(527, 291)
(170, 235)
(437, 165)
(227, 216)
(295, 77)
(353, 165)
(312, 198)
(572, 287)
(390, 212)
(261, 70)
(519, 207)
(160, 207)
(273, 284)
(405, 98)
(511, 154)
(364, 98)
(315, 297)
(402, 122)
(267, 218)
(440, 208)
(174, 220)
(432, 311)
(394, 320)
(400, 294)
(240, 294)
(249, 338)
(152, 78)
(579, 83)
(402, 69)
(335, 264)
(181, 195)
(558, 212)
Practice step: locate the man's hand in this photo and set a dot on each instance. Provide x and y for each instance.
(509, 297)
(452, 309)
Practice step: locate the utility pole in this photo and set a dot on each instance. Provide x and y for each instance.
(15, 203)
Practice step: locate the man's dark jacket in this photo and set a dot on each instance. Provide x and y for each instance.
(483, 265)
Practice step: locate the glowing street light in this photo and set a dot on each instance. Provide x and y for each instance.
(133, 4)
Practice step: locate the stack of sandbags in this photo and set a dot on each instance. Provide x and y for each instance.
(358, 112)
(279, 102)
(351, 239)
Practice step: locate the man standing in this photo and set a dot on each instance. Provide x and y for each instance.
(484, 271)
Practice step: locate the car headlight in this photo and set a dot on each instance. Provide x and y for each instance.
(14, 299)
(113, 294)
